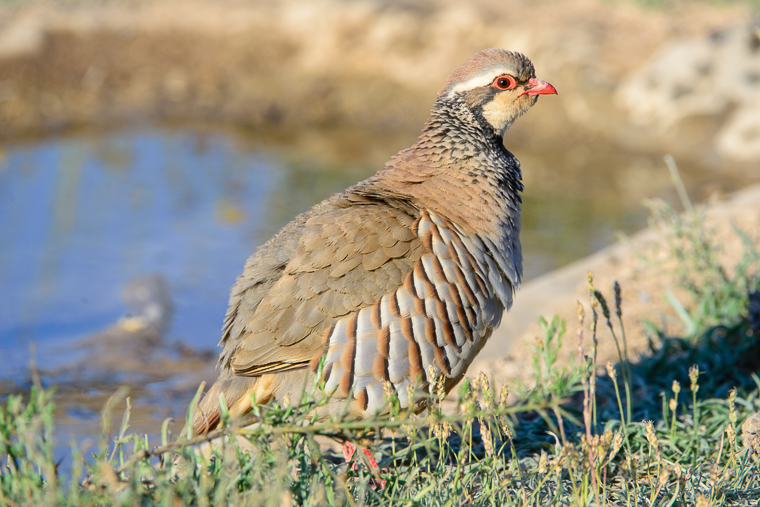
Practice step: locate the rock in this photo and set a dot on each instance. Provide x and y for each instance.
(714, 76)
(751, 433)
(739, 139)
(133, 349)
(148, 300)
(134, 344)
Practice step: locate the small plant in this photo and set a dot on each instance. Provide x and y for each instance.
(659, 430)
(719, 293)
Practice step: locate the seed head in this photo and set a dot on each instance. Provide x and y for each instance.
(652, 437)
(542, 463)
(503, 425)
(485, 435)
(442, 429)
(507, 431)
(611, 370)
(471, 407)
(503, 395)
(731, 434)
(387, 389)
(581, 313)
(591, 289)
(616, 445)
(410, 391)
(732, 416)
(431, 378)
(603, 302)
(714, 475)
(663, 479)
(484, 382)
(440, 388)
(487, 394)
(693, 376)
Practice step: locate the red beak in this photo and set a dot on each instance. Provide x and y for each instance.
(539, 87)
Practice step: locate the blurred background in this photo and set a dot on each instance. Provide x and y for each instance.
(148, 146)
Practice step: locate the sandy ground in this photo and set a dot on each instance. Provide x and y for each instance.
(507, 356)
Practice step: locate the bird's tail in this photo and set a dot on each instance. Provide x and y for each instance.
(237, 396)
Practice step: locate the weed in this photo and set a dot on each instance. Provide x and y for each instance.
(624, 434)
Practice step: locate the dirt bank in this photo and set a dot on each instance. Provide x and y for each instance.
(369, 64)
(644, 290)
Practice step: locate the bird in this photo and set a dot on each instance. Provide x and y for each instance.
(399, 280)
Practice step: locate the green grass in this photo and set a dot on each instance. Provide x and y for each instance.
(659, 429)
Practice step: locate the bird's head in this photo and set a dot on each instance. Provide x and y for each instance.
(495, 85)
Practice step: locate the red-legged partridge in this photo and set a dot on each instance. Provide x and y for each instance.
(407, 270)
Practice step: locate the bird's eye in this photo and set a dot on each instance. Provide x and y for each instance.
(504, 82)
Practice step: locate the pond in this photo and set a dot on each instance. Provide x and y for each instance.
(83, 215)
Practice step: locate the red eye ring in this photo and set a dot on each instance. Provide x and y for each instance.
(504, 82)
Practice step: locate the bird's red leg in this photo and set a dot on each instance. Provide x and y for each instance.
(372, 460)
(348, 453)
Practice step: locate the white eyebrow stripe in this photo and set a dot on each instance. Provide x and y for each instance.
(482, 79)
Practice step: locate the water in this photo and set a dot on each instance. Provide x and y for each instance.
(81, 216)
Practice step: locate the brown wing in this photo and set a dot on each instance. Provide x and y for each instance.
(345, 259)
(261, 272)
